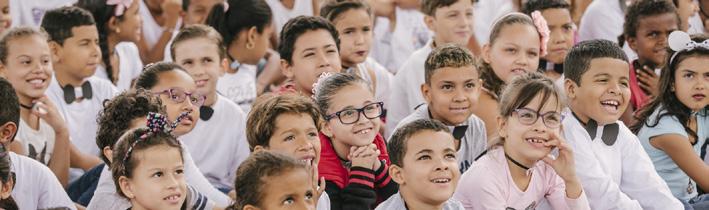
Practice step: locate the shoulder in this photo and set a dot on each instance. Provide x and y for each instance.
(229, 106)
(103, 87)
(393, 202)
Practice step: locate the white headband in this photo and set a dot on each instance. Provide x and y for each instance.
(679, 41)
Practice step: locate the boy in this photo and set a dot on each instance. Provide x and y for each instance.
(217, 143)
(287, 124)
(309, 46)
(451, 89)
(423, 158)
(405, 96)
(36, 187)
(561, 38)
(73, 42)
(614, 170)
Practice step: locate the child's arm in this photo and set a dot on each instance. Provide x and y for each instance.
(358, 194)
(681, 151)
(81, 160)
(59, 163)
(171, 12)
(382, 182)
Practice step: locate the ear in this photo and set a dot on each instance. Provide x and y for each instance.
(632, 42)
(250, 207)
(326, 129)
(56, 51)
(108, 152)
(426, 92)
(486, 53)
(112, 24)
(570, 88)
(286, 69)
(429, 21)
(396, 174)
(2, 70)
(126, 187)
(7, 188)
(7, 132)
(502, 126)
(224, 67)
(259, 148)
(252, 35)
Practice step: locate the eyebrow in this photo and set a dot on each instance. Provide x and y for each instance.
(424, 151)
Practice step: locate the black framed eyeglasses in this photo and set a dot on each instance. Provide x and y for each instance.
(528, 116)
(350, 116)
(178, 95)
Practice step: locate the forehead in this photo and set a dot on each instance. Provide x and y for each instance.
(196, 47)
(204, 3)
(538, 103)
(357, 94)
(353, 17)
(518, 33)
(463, 73)
(459, 5)
(614, 67)
(694, 63)
(159, 156)
(84, 32)
(294, 120)
(437, 141)
(313, 39)
(174, 78)
(557, 16)
(293, 181)
(658, 21)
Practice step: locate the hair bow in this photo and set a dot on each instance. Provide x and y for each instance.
(121, 5)
(679, 41)
(316, 85)
(541, 24)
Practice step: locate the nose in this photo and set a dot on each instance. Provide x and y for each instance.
(442, 165)
(522, 59)
(539, 125)
(304, 144)
(460, 95)
(359, 39)
(614, 89)
(172, 182)
(322, 60)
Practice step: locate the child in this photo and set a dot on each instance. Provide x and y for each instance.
(398, 30)
(288, 124)
(196, 11)
(517, 172)
(246, 27)
(5, 17)
(118, 27)
(515, 46)
(7, 180)
(271, 181)
(613, 168)
(286, 10)
(309, 47)
(647, 25)
(78, 96)
(160, 22)
(148, 168)
(178, 91)
(451, 89)
(451, 22)
(353, 21)
(42, 133)
(561, 36)
(354, 160)
(674, 126)
(217, 143)
(424, 164)
(35, 186)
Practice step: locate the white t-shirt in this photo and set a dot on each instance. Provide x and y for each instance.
(239, 87)
(486, 13)
(406, 88)
(30, 12)
(129, 63)
(151, 30)
(604, 19)
(37, 144)
(219, 144)
(36, 187)
(696, 25)
(383, 80)
(81, 116)
(281, 14)
(391, 48)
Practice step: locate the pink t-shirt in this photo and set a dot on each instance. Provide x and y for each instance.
(489, 185)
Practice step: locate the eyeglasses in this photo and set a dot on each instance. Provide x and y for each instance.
(527, 116)
(350, 116)
(178, 95)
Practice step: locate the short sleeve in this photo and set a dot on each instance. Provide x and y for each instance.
(665, 125)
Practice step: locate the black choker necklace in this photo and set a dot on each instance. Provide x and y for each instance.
(26, 106)
(516, 163)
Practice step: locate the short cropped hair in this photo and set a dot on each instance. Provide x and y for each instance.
(580, 56)
(59, 22)
(540, 5)
(449, 55)
(262, 118)
(397, 143)
(10, 106)
(199, 31)
(296, 27)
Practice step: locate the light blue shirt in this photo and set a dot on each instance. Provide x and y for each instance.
(680, 184)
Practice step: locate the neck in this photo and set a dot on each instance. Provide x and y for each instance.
(415, 204)
(26, 114)
(341, 149)
(306, 93)
(112, 40)
(514, 168)
(437, 42)
(578, 115)
(240, 54)
(65, 79)
(347, 64)
(136, 205)
(211, 99)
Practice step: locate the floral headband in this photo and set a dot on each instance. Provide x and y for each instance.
(316, 85)
(156, 123)
(541, 24)
(679, 41)
(121, 6)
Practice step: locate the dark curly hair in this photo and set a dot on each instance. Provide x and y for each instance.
(115, 118)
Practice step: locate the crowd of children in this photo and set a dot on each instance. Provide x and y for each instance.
(354, 104)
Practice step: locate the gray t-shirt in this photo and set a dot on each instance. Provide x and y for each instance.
(396, 202)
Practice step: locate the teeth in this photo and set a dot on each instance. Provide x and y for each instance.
(308, 161)
(36, 81)
(174, 197)
(535, 140)
(611, 103)
(365, 131)
(441, 180)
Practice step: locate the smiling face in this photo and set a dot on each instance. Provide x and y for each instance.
(288, 190)
(561, 38)
(359, 133)
(28, 67)
(692, 82)
(130, 24)
(177, 79)
(603, 94)
(452, 94)
(158, 180)
(296, 135)
(355, 29)
(200, 57)
(514, 52)
(80, 54)
(452, 24)
(314, 52)
(650, 41)
(430, 171)
(525, 142)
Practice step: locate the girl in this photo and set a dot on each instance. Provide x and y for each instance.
(148, 167)
(273, 181)
(7, 180)
(43, 134)
(246, 27)
(516, 43)
(353, 21)
(353, 157)
(561, 35)
(119, 28)
(675, 125)
(647, 25)
(518, 170)
(5, 17)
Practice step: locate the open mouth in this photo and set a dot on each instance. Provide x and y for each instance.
(441, 180)
(174, 198)
(610, 105)
(36, 82)
(201, 83)
(363, 131)
(518, 71)
(187, 120)
(361, 53)
(536, 142)
(699, 97)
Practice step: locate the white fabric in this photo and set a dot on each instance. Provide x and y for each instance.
(129, 63)
(219, 144)
(281, 14)
(620, 176)
(406, 88)
(106, 197)
(323, 202)
(383, 79)
(486, 12)
(151, 30)
(81, 116)
(30, 12)
(37, 144)
(36, 187)
(392, 47)
(396, 202)
(239, 87)
(604, 19)
(696, 25)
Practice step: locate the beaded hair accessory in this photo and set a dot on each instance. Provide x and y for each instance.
(316, 85)
(121, 6)
(679, 41)
(541, 24)
(156, 123)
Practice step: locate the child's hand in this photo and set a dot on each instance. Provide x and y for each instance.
(564, 163)
(318, 184)
(360, 156)
(648, 81)
(45, 109)
(171, 10)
